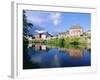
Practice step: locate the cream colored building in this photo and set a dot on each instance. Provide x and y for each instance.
(75, 31)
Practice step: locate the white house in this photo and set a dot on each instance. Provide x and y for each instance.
(42, 35)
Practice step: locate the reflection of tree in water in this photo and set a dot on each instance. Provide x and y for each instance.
(27, 64)
(38, 57)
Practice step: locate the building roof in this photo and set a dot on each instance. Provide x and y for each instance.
(76, 27)
(40, 31)
(44, 33)
(62, 33)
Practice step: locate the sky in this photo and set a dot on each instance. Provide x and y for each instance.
(55, 22)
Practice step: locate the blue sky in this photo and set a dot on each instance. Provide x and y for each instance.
(55, 22)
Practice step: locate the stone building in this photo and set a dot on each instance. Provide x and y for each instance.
(75, 31)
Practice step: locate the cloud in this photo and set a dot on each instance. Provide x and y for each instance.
(34, 17)
(41, 18)
(56, 22)
(36, 20)
(56, 18)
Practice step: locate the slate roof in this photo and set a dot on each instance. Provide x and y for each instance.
(76, 27)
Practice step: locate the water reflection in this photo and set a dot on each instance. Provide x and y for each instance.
(42, 56)
(40, 47)
(73, 52)
(76, 53)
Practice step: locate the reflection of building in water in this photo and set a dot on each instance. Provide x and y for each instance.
(75, 53)
(43, 47)
(30, 45)
(37, 46)
(40, 47)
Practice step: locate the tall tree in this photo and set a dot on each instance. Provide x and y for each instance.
(26, 24)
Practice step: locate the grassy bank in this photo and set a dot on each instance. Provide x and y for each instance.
(68, 42)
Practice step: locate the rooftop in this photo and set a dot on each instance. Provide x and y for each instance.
(76, 27)
(64, 32)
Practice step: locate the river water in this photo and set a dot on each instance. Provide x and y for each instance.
(42, 56)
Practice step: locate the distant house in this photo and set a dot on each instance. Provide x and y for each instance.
(88, 34)
(63, 34)
(75, 31)
(41, 36)
(38, 36)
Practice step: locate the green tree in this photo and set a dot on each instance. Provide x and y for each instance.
(26, 24)
(61, 42)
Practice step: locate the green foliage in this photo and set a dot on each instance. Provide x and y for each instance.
(26, 24)
(61, 42)
(69, 42)
(74, 41)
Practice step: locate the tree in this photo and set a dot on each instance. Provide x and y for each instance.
(26, 24)
(61, 42)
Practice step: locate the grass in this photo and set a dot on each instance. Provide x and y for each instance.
(69, 42)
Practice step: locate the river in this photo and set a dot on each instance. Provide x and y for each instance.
(43, 56)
